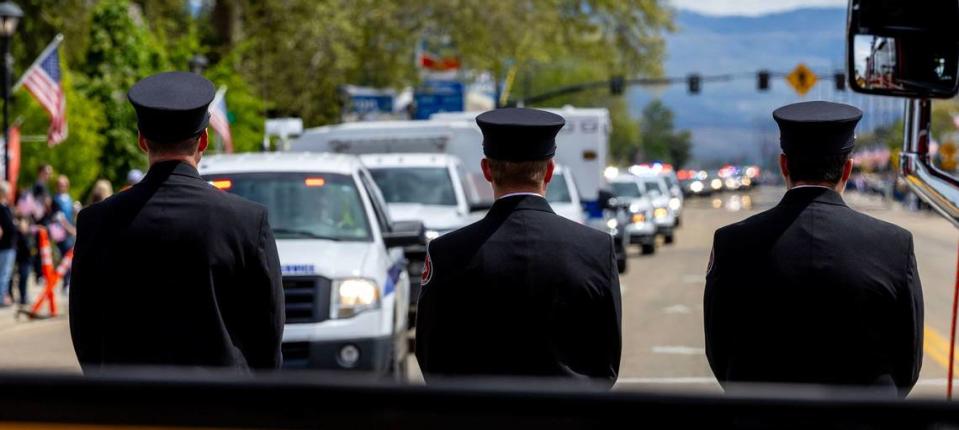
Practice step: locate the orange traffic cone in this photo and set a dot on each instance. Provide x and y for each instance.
(50, 274)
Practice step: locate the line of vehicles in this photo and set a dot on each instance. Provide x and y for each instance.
(727, 178)
(354, 206)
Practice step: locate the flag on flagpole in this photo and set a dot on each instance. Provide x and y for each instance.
(220, 121)
(42, 80)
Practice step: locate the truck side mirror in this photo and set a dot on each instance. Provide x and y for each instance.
(901, 48)
(405, 233)
(606, 200)
(909, 49)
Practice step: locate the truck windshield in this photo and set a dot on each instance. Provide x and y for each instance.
(626, 189)
(302, 205)
(558, 191)
(653, 188)
(423, 185)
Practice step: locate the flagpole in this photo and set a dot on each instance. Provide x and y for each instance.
(53, 45)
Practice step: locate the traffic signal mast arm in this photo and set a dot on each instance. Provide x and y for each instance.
(694, 81)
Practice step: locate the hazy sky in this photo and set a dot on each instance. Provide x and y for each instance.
(751, 7)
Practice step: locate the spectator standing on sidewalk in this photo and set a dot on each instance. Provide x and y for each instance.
(61, 229)
(101, 190)
(8, 236)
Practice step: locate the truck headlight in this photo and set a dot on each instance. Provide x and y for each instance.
(696, 186)
(639, 218)
(352, 296)
(660, 213)
(612, 223)
(431, 234)
(716, 183)
(634, 207)
(674, 203)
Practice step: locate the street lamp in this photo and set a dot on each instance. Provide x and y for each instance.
(10, 15)
(198, 64)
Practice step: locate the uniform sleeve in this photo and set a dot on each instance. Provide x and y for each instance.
(714, 321)
(264, 303)
(426, 318)
(84, 313)
(911, 326)
(614, 316)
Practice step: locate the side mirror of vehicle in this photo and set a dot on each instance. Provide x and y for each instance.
(405, 233)
(607, 200)
(480, 206)
(901, 48)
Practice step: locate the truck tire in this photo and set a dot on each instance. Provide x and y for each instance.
(648, 249)
(668, 239)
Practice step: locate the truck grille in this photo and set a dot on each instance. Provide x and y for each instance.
(307, 299)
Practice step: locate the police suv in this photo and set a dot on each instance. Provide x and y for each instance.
(344, 271)
(640, 225)
(665, 212)
(563, 196)
(431, 188)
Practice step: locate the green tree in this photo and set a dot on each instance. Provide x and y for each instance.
(245, 108)
(298, 53)
(661, 142)
(121, 52)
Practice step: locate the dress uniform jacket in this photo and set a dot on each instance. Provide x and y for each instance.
(523, 293)
(812, 291)
(174, 272)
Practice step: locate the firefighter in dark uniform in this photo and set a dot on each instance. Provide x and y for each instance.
(523, 292)
(173, 272)
(812, 291)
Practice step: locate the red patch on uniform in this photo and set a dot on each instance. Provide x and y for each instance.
(427, 270)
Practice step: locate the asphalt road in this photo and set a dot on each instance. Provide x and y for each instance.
(662, 301)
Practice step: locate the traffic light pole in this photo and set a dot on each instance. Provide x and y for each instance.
(694, 82)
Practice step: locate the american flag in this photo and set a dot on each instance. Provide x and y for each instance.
(220, 122)
(43, 81)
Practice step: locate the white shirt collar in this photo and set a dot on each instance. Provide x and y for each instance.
(519, 194)
(810, 186)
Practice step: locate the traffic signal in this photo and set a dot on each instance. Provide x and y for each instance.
(762, 80)
(840, 79)
(694, 81)
(617, 85)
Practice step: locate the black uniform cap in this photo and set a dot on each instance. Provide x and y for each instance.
(518, 134)
(172, 106)
(817, 128)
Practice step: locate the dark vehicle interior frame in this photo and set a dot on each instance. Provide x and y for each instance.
(294, 400)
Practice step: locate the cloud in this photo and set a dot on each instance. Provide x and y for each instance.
(751, 7)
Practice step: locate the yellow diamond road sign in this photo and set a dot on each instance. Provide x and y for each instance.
(802, 79)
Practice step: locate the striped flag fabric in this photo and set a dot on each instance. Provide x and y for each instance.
(220, 121)
(43, 82)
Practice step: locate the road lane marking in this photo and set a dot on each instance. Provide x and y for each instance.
(679, 380)
(669, 380)
(680, 350)
(676, 309)
(936, 347)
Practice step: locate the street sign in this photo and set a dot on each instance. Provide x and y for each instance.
(801, 79)
(438, 96)
(947, 153)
